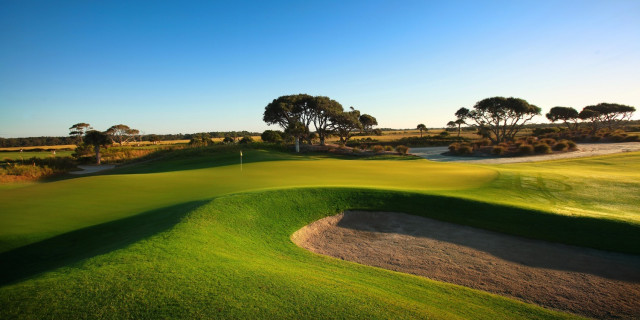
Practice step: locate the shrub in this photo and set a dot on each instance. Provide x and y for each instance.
(454, 147)
(631, 138)
(227, 140)
(549, 141)
(246, 140)
(540, 131)
(465, 150)
(498, 150)
(595, 138)
(403, 150)
(561, 146)
(572, 145)
(484, 142)
(542, 148)
(377, 148)
(444, 134)
(388, 148)
(617, 138)
(271, 136)
(525, 149)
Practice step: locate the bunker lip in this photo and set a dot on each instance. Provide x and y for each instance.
(93, 169)
(584, 281)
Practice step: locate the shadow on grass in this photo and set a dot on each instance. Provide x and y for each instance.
(68, 248)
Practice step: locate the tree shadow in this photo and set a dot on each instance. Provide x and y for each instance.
(69, 248)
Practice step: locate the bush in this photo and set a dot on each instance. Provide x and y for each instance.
(465, 150)
(631, 139)
(403, 150)
(617, 138)
(246, 140)
(542, 148)
(271, 136)
(444, 134)
(561, 146)
(484, 142)
(549, 141)
(377, 148)
(525, 149)
(595, 138)
(388, 148)
(498, 150)
(228, 140)
(540, 131)
(572, 145)
(454, 147)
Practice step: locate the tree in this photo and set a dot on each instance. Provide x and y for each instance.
(121, 133)
(154, 138)
(97, 139)
(452, 125)
(345, 123)
(461, 115)
(421, 127)
(323, 110)
(78, 130)
(611, 114)
(287, 111)
(503, 117)
(271, 136)
(591, 116)
(568, 115)
(367, 121)
(201, 139)
(296, 130)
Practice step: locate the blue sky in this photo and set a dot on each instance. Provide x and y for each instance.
(189, 66)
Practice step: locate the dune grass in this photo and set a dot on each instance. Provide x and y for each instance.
(193, 236)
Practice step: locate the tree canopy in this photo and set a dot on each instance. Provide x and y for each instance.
(421, 127)
(97, 139)
(503, 117)
(78, 130)
(609, 114)
(121, 133)
(567, 115)
(368, 121)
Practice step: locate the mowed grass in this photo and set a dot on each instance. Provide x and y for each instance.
(600, 187)
(39, 211)
(192, 236)
(232, 258)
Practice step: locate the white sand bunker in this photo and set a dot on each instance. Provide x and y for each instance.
(584, 281)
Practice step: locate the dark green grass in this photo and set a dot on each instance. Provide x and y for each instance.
(233, 258)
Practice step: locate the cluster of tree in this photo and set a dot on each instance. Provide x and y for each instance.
(298, 114)
(86, 137)
(500, 119)
(611, 115)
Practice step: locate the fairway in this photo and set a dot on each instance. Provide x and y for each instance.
(194, 235)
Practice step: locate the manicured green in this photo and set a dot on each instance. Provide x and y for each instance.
(190, 235)
(232, 258)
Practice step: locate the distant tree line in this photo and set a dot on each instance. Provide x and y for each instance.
(73, 139)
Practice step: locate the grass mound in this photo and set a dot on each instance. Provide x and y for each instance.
(232, 258)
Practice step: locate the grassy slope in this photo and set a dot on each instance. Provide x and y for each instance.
(232, 257)
(49, 209)
(600, 187)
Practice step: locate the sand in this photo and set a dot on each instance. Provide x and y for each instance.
(583, 281)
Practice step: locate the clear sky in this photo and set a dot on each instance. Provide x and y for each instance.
(192, 66)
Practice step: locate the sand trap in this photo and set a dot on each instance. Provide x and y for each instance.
(584, 281)
(584, 150)
(93, 169)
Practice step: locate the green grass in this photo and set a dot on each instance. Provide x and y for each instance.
(232, 258)
(193, 236)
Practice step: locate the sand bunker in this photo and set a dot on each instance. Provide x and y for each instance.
(584, 281)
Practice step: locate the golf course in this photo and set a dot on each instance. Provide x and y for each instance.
(196, 234)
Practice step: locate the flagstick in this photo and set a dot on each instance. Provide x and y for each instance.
(240, 160)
